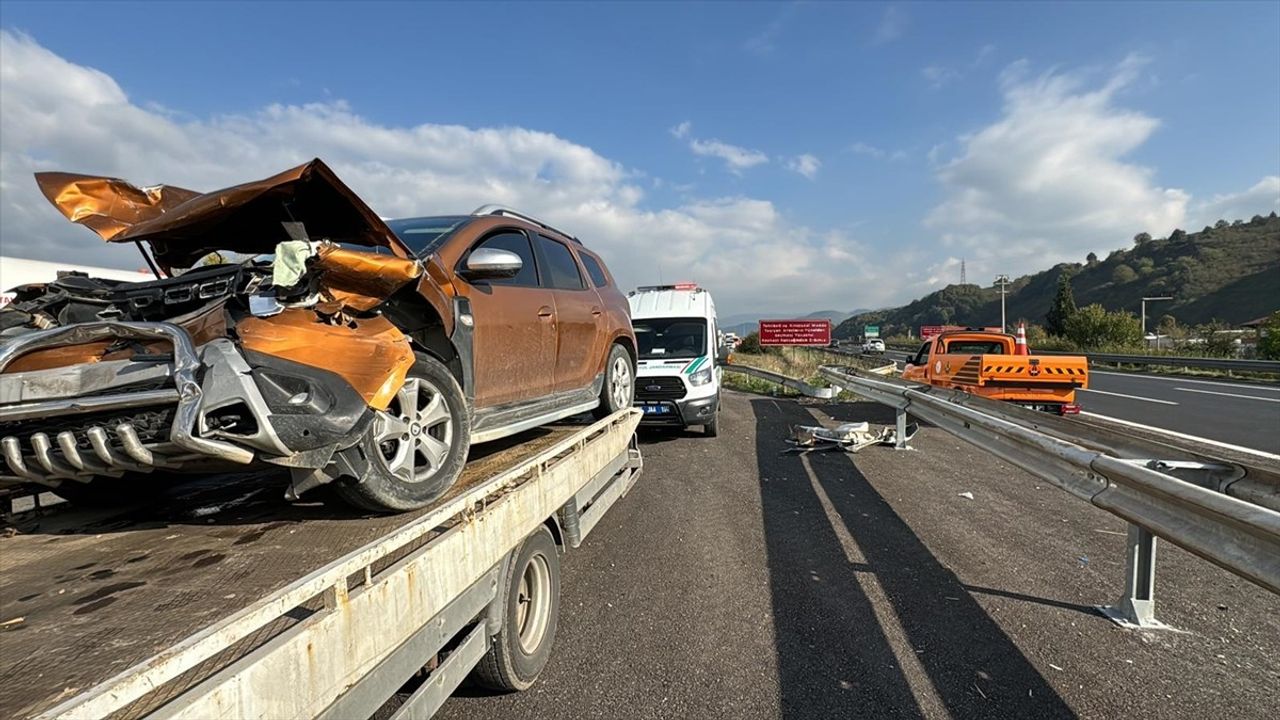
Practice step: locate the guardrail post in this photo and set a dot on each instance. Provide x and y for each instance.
(1137, 609)
(900, 438)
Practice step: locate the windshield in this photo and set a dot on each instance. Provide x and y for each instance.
(424, 234)
(673, 338)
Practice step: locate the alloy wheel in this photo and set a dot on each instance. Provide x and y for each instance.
(415, 432)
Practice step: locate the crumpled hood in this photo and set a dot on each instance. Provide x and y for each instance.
(183, 226)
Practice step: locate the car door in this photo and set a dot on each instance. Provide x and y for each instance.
(578, 309)
(515, 327)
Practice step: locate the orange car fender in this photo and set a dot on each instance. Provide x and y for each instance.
(371, 354)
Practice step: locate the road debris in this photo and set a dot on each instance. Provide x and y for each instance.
(11, 623)
(966, 495)
(848, 437)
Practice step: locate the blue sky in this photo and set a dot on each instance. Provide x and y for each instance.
(793, 156)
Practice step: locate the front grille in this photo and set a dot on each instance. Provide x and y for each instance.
(649, 389)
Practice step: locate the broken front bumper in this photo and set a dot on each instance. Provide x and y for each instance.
(34, 403)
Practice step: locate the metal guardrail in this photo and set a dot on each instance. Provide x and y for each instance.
(1263, 366)
(1224, 509)
(803, 387)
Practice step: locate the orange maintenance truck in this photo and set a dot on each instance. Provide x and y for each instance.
(989, 364)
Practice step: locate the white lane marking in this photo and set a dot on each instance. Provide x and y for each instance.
(1266, 388)
(1184, 436)
(1237, 395)
(1131, 397)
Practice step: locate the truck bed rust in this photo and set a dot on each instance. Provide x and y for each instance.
(86, 594)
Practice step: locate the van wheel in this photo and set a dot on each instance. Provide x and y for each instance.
(530, 594)
(712, 429)
(619, 389)
(416, 447)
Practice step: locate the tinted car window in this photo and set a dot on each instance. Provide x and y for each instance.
(424, 234)
(517, 243)
(923, 355)
(598, 278)
(983, 347)
(561, 272)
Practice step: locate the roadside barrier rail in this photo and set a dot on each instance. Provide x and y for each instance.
(1205, 363)
(1223, 508)
(799, 385)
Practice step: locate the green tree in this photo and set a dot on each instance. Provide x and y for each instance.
(1092, 259)
(1215, 339)
(1093, 328)
(750, 344)
(1269, 342)
(1221, 224)
(1123, 274)
(1178, 235)
(1063, 307)
(1141, 238)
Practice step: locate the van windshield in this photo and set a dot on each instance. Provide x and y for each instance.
(674, 338)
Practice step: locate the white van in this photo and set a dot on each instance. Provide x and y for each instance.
(678, 373)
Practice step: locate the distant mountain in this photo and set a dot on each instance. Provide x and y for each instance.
(1228, 272)
(744, 323)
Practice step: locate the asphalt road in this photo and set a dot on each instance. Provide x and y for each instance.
(1237, 413)
(1241, 414)
(738, 582)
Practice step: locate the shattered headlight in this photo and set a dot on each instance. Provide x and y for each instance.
(702, 377)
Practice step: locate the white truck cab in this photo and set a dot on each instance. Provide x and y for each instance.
(678, 373)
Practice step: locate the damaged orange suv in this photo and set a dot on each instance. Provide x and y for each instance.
(289, 325)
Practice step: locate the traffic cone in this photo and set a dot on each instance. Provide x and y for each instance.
(1020, 348)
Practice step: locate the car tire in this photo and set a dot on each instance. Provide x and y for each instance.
(529, 593)
(619, 390)
(417, 447)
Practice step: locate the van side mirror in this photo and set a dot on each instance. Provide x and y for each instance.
(492, 264)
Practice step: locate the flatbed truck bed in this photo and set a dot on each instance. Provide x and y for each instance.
(223, 600)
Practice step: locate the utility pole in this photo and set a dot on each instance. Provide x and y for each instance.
(962, 278)
(1144, 318)
(1002, 282)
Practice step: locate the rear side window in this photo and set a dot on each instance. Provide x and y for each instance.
(975, 347)
(561, 272)
(517, 243)
(598, 278)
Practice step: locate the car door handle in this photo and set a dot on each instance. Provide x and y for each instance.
(596, 311)
(544, 311)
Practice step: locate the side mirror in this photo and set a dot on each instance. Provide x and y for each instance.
(492, 264)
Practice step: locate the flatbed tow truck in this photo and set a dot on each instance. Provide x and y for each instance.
(224, 601)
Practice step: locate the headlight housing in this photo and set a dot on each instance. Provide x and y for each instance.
(702, 377)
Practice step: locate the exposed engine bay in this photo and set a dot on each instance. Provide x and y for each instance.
(281, 355)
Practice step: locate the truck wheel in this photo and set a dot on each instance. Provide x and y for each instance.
(417, 446)
(530, 593)
(619, 388)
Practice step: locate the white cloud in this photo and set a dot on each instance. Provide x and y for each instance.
(1048, 181)
(867, 149)
(806, 164)
(1261, 199)
(939, 75)
(736, 159)
(871, 151)
(893, 23)
(56, 115)
(682, 130)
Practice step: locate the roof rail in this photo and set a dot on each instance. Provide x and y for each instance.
(493, 209)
